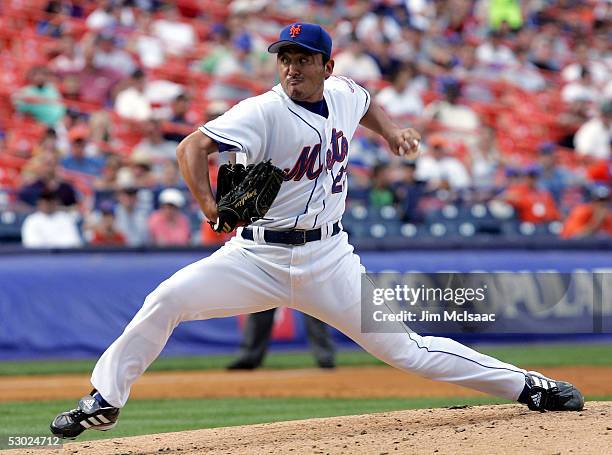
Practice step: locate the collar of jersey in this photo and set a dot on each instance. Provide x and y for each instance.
(278, 89)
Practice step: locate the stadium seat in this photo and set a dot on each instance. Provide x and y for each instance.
(10, 226)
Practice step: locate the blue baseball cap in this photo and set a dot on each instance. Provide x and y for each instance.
(309, 36)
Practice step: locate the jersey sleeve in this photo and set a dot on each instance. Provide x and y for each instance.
(241, 129)
(355, 95)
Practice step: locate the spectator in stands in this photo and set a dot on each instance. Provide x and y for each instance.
(93, 85)
(494, 52)
(380, 193)
(439, 56)
(403, 97)
(472, 74)
(70, 59)
(101, 128)
(450, 113)
(45, 178)
(49, 227)
(387, 63)
(591, 218)
(131, 217)
(346, 26)
(137, 172)
(408, 47)
(180, 117)
(409, 191)
(485, 160)
(573, 71)
(131, 103)
(168, 175)
(582, 89)
(378, 25)
(150, 49)
(110, 14)
(532, 203)
(239, 60)
(524, 74)
(168, 225)
(542, 54)
(40, 98)
(107, 181)
(108, 55)
(78, 160)
(104, 232)
(47, 144)
(52, 25)
(153, 146)
(592, 140)
(575, 114)
(220, 48)
(353, 62)
(178, 36)
(440, 168)
(554, 178)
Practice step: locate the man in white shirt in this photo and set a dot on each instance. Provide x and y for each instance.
(178, 37)
(403, 97)
(49, 227)
(581, 89)
(494, 52)
(132, 103)
(459, 118)
(593, 138)
(108, 55)
(356, 64)
(439, 166)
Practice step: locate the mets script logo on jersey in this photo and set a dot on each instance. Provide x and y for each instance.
(295, 30)
(310, 165)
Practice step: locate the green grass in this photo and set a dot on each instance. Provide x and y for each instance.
(528, 355)
(160, 416)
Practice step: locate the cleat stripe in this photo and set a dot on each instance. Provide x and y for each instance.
(103, 419)
(85, 424)
(94, 421)
(536, 381)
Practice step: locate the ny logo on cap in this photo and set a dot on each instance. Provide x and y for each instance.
(295, 30)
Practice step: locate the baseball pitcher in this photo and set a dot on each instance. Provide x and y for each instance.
(290, 248)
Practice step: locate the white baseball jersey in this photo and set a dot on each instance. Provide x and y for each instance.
(312, 149)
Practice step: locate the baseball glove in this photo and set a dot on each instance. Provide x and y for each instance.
(244, 195)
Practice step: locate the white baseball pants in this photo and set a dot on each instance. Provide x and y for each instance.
(321, 278)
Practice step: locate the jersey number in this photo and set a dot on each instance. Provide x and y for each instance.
(338, 185)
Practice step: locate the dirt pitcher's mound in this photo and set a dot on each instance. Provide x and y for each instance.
(498, 429)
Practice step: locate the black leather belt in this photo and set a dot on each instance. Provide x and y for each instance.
(291, 237)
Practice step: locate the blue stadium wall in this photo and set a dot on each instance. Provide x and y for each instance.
(74, 304)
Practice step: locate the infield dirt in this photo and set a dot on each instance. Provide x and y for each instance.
(500, 429)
